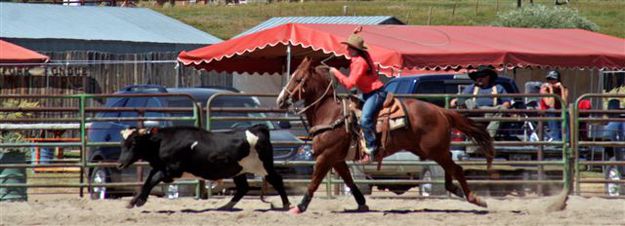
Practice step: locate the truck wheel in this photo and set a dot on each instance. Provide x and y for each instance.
(612, 173)
(99, 175)
(432, 173)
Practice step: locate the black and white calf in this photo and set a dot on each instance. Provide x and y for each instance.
(209, 155)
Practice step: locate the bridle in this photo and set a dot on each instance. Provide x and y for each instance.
(299, 88)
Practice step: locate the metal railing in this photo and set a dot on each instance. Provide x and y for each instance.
(84, 118)
(578, 141)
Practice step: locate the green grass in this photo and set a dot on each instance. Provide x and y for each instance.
(227, 21)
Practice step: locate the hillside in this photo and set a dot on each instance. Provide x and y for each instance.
(226, 21)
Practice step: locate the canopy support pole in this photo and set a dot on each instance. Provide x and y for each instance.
(177, 70)
(288, 62)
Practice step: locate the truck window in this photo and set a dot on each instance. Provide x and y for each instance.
(180, 102)
(405, 87)
(430, 87)
(391, 87)
(136, 102)
(112, 103)
(232, 101)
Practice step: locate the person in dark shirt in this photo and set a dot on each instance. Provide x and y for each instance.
(484, 84)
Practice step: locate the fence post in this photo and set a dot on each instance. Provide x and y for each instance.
(430, 16)
(574, 142)
(329, 184)
(83, 142)
(453, 10)
(477, 5)
(497, 6)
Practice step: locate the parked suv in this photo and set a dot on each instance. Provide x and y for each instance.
(108, 131)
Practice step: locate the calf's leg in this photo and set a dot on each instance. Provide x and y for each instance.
(242, 188)
(276, 181)
(155, 177)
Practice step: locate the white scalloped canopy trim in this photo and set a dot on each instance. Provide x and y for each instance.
(198, 63)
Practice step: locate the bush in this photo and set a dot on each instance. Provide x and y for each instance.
(540, 16)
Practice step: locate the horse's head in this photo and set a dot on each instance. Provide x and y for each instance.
(305, 82)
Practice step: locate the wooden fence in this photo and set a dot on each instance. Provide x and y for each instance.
(94, 72)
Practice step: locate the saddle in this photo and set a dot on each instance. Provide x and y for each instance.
(392, 116)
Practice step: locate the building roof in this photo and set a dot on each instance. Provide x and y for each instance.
(92, 23)
(362, 20)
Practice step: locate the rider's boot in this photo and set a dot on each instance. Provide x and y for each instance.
(370, 153)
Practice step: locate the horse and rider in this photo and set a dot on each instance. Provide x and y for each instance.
(426, 134)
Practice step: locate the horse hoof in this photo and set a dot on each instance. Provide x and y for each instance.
(283, 208)
(458, 193)
(140, 202)
(479, 202)
(295, 211)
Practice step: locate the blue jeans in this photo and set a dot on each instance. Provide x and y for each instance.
(373, 103)
(555, 127)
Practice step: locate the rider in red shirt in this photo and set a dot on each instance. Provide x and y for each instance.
(363, 75)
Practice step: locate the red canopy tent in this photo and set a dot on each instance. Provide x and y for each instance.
(11, 53)
(402, 48)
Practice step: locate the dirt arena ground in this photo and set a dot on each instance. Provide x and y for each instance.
(72, 210)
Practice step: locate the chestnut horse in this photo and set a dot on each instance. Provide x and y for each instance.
(428, 135)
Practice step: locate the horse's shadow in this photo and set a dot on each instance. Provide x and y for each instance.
(476, 212)
(385, 212)
(168, 212)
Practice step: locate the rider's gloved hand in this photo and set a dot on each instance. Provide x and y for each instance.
(333, 70)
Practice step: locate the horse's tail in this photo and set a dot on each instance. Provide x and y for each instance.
(477, 133)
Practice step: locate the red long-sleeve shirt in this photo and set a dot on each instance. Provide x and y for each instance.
(359, 77)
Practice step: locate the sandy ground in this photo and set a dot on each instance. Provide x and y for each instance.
(72, 210)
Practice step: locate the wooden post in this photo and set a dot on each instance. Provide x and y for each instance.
(497, 9)
(518, 3)
(430, 16)
(477, 4)
(453, 11)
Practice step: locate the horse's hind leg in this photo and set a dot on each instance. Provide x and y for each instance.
(456, 171)
(343, 171)
(451, 187)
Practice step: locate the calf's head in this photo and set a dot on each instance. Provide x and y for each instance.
(132, 145)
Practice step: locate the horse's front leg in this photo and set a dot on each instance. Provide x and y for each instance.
(322, 166)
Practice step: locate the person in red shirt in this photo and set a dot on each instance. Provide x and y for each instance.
(554, 86)
(363, 75)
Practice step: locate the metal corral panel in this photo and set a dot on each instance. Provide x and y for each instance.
(47, 21)
(364, 20)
